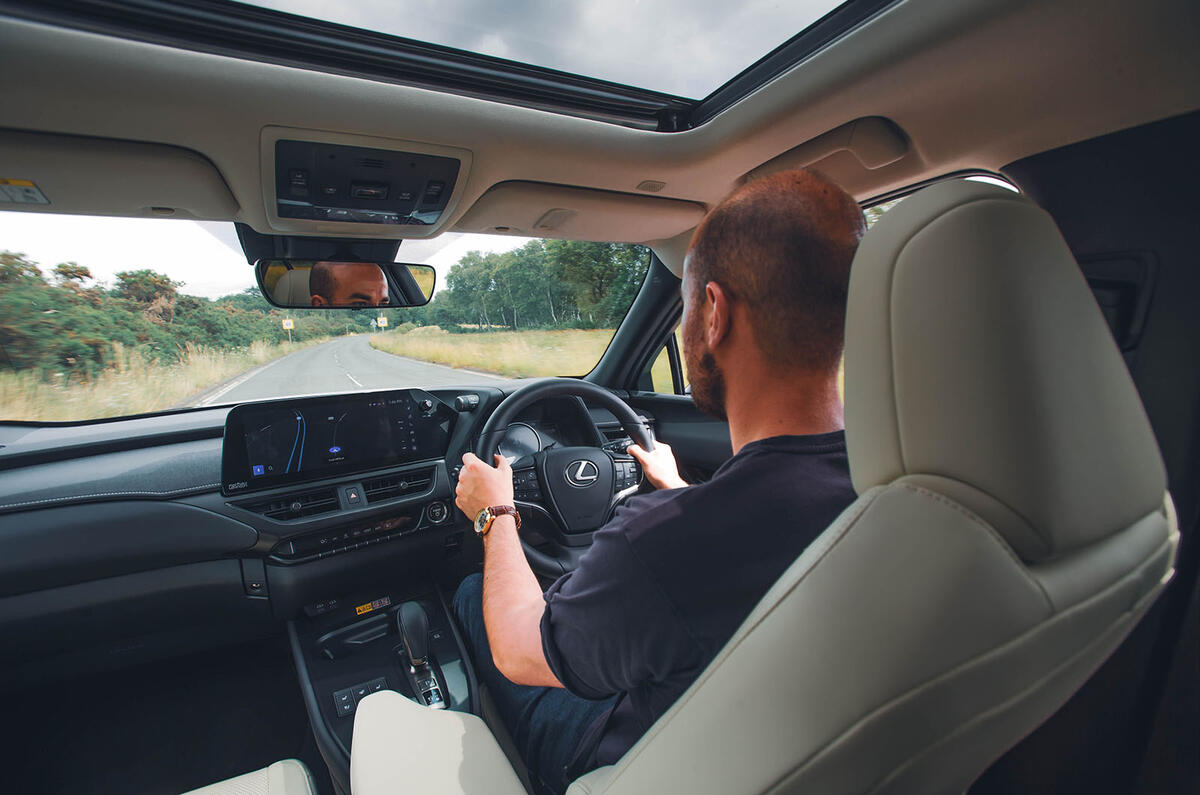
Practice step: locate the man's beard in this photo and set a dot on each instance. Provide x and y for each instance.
(708, 384)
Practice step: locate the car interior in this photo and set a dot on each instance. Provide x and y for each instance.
(1012, 604)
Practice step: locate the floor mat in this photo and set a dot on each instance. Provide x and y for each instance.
(161, 729)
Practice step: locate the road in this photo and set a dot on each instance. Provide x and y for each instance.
(347, 364)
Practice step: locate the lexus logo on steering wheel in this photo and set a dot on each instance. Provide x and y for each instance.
(582, 473)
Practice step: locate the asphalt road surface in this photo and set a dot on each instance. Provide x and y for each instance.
(348, 364)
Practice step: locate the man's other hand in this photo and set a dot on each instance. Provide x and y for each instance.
(481, 486)
(659, 466)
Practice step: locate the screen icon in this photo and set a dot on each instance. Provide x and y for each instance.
(257, 469)
(335, 450)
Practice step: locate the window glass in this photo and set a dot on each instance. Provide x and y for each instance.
(684, 47)
(661, 380)
(103, 317)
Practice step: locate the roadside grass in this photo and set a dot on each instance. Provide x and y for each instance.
(524, 354)
(516, 354)
(132, 385)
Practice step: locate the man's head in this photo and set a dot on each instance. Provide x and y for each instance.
(775, 256)
(347, 284)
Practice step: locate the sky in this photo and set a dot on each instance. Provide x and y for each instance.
(683, 47)
(204, 255)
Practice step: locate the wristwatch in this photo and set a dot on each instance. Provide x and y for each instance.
(483, 522)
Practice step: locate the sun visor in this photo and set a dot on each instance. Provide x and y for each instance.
(532, 209)
(43, 172)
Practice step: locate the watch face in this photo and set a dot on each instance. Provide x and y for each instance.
(481, 521)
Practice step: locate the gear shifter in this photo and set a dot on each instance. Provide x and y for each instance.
(413, 623)
(414, 632)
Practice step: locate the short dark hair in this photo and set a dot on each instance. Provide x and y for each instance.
(783, 245)
(320, 280)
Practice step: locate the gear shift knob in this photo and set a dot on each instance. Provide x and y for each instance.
(414, 632)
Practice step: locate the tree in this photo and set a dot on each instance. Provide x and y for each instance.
(16, 267)
(144, 286)
(67, 273)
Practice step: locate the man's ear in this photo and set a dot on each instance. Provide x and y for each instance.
(717, 328)
(317, 300)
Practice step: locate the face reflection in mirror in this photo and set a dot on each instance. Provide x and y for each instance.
(352, 284)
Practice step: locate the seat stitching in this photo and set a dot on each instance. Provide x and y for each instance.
(989, 530)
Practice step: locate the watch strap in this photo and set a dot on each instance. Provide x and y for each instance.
(499, 510)
(489, 514)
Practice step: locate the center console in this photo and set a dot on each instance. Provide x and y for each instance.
(352, 646)
(353, 501)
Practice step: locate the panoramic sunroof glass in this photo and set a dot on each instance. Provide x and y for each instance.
(687, 48)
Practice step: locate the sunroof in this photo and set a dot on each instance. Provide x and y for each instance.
(687, 48)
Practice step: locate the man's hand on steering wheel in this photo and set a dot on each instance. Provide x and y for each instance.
(481, 486)
(659, 465)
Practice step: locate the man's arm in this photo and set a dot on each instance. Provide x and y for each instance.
(512, 599)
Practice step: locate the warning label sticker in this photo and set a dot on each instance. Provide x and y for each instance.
(21, 191)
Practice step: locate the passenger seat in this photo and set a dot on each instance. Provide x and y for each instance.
(289, 777)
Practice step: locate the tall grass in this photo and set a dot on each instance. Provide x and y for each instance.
(132, 384)
(518, 354)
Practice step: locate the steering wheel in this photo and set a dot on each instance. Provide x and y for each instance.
(577, 487)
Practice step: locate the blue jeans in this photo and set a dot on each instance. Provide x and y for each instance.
(547, 723)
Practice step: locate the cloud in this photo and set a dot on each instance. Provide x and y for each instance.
(684, 47)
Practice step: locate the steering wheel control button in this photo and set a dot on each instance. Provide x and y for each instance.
(525, 485)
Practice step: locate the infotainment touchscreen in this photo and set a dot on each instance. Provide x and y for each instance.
(292, 441)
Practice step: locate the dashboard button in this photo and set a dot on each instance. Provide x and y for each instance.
(437, 512)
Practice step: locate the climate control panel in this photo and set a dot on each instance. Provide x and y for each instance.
(361, 534)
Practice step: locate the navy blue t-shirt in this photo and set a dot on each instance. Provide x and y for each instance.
(667, 582)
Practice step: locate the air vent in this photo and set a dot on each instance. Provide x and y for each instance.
(399, 485)
(294, 506)
(370, 162)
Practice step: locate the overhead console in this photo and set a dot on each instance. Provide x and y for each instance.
(325, 183)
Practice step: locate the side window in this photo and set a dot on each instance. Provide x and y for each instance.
(667, 373)
(876, 212)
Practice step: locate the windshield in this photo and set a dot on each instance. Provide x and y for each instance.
(106, 317)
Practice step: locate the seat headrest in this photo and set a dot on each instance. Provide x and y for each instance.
(292, 288)
(978, 362)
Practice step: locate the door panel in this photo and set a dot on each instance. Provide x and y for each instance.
(701, 443)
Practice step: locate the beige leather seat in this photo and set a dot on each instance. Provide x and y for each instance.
(1013, 526)
(292, 288)
(289, 777)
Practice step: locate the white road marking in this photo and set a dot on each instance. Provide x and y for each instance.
(352, 378)
(235, 384)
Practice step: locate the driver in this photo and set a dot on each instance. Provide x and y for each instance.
(580, 672)
(357, 284)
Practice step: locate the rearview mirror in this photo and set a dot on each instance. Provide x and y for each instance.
(305, 284)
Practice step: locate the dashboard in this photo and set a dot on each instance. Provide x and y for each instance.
(141, 507)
